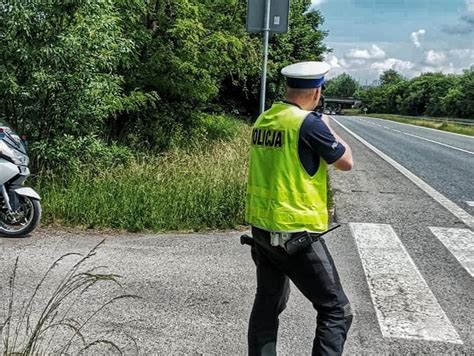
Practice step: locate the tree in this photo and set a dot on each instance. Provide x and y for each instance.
(453, 102)
(424, 94)
(373, 99)
(59, 66)
(390, 76)
(343, 86)
(432, 94)
(467, 89)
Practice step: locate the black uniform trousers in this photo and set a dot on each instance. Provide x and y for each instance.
(314, 274)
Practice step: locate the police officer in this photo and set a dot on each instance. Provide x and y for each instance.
(287, 194)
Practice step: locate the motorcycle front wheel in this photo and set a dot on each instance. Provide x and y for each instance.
(23, 221)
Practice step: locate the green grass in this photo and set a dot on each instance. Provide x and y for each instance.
(439, 125)
(184, 189)
(351, 112)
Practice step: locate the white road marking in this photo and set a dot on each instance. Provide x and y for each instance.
(405, 305)
(439, 143)
(470, 203)
(460, 242)
(460, 213)
(423, 127)
(426, 139)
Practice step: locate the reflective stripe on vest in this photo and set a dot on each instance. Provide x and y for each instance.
(281, 196)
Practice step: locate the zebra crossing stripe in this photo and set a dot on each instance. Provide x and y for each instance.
(405, 306)
(460, 242)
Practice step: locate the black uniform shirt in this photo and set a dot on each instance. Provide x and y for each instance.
(316, 142)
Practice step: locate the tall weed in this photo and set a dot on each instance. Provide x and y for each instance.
(57, 324)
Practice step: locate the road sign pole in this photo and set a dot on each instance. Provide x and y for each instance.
(266, 36)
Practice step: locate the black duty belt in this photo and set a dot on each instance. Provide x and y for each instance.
(293, 243)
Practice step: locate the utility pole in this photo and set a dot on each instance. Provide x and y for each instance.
(266, 37)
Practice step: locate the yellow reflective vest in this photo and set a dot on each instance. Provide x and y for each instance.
(281, 195)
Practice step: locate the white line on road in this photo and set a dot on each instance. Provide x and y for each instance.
(439, 143)
(460, 242)
(460, 213)
(405, 306)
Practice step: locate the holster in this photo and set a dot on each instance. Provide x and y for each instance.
(299, 242)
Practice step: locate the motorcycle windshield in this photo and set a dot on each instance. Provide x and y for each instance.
(10, 137)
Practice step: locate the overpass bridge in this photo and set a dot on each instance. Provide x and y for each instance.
(338, 104)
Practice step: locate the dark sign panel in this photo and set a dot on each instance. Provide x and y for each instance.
(279, 13)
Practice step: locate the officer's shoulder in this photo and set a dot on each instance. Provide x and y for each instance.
(313, 118)
(313, 124)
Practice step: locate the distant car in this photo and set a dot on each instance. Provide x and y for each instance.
(326, 112)
(333, 113)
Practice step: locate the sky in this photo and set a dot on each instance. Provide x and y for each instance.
(410, 36)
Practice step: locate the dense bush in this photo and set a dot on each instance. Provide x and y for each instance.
(69, 155)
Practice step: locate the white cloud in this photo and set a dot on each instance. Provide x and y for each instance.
(435, 58)
(446, 69)
(416, 37)
(465, 53)
(393, 63)
(470, 5)
(356, 59)
(356, 62)
(343, 62)
(317, 2)
(360, 54)
(333, 61)
(338, 66)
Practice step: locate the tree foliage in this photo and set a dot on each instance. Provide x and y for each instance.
(430, 94)
(137, 70)
(59, 66)
(342, 86)
(390, 76)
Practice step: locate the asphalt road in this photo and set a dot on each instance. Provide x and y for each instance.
(411, 292)
(442, 159)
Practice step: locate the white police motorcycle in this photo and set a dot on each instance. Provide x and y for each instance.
(20, 208)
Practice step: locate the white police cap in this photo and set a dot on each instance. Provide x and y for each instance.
(306, 75)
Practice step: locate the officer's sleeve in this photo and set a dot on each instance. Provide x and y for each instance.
(322, 142)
